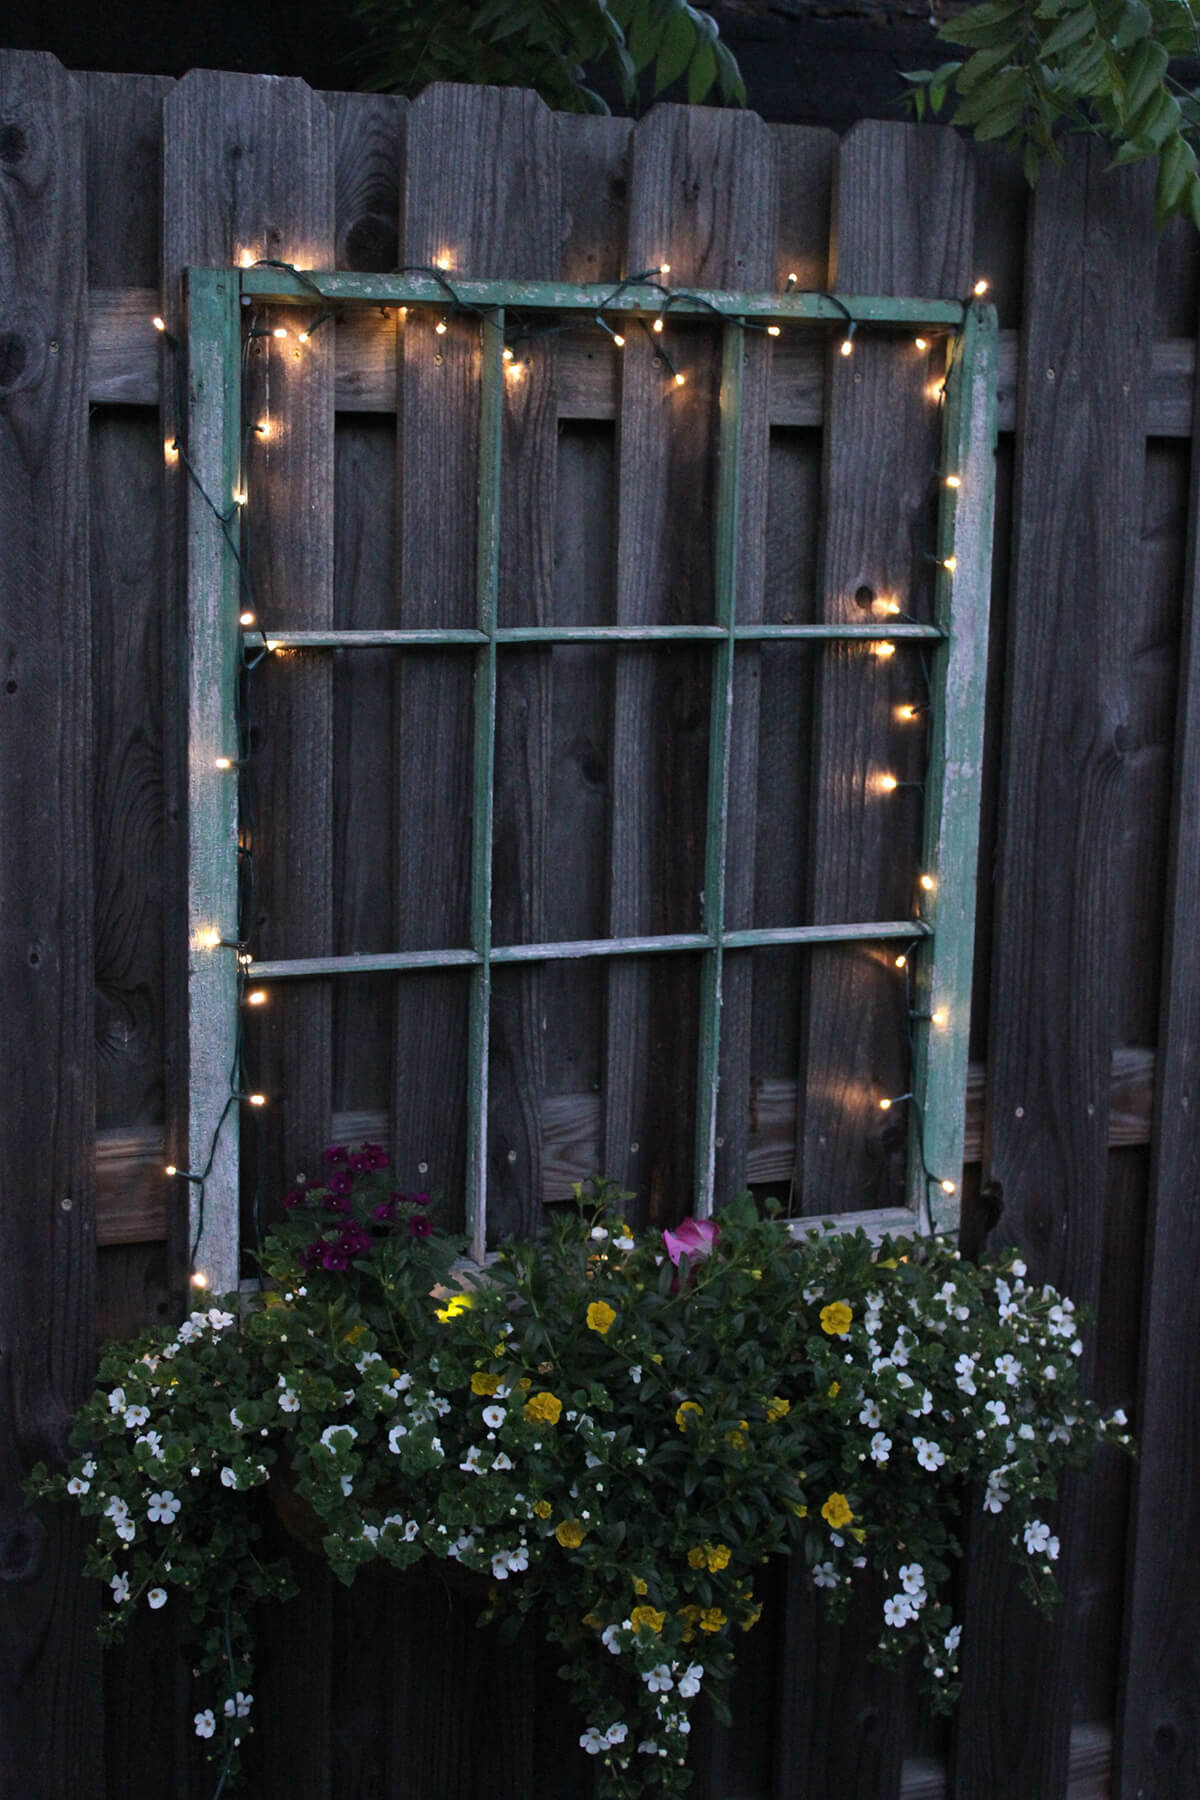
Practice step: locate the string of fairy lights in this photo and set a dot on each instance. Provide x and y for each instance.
(522, 331)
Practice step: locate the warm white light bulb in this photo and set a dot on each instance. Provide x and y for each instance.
(948, 1187)
(664, 268)
(158, 323)
(199, 1280)
(679, 380)
(907, 713)
(883, 651)
(246, 618)
(443, 263)
(846, 346)
(887, 783)
(247, 259)
(302, 337)
(950, 563)
(938, 1018)
(657, 325)
(223, 762)
(921, 343)
(440, 328)
(885, 1105)
(953, 481)
(211, 939)
(901, 961)
(618, 340)
(240, 497)
(980, 289)
(257, 1099)
(280, 331)
(257, 998)
(773, 330)
(928, 883)
(170, 1169)
(507, 353)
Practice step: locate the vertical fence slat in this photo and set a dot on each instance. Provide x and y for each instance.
(49, 1688)
(1081, 450)
(702, 200)
(247, 168)
(1158, 1728)
(877, 418)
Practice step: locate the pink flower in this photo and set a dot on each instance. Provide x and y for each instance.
(695, 1239)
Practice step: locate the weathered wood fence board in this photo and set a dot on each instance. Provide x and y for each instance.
(1087, 677)
(49, 1692)
(1085, 356)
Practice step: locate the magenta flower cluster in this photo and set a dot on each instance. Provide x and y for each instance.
(356, 1236)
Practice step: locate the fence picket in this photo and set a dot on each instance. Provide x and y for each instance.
(1085, 357)
(49, 1663)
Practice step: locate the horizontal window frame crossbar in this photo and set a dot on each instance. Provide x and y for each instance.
(429, 637)
(583, 949)
(277, 286)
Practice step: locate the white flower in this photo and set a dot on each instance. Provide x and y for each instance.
(502, 1461)
(518, 1559)
(609, 1638)
(163, 1507)
(912, 1578)
(1050, 1372)
(332, 1431)
(1018, 1268)
(1037, 1537)
(410, 1530)
(116, 1509)
(953, 1637)
(1077, 1347)
(366, 1359)
(136, 1415)
(616, 1734)
(966, 1385)
(623, 1243)
(635, 1374)
(598, 1234)
(239, 1707)
(126, 1531)
(234, 1420)
(824, 1575)
(870, 1414)
(500, 1565)
(1052, 1549)
(998, 1411)
(929, 1454)
(593, 1741)
(648, 1747)
(120, 1588)
(88, 1469)
(997, 1495)
(153, 1443)
(924, 1405)
(155, 1598)
(1027, 1432)
(116, 1400)
(440, 1405)
(228, 1477)
(77, 1486)
(1118, 1418)
(659, 1680)
(289, 1401)
(898, 1610)
(347, 1486)
(494, 1417)
(880, 1447)
(205, 1723)
(220, 1321)
(689, 1681)
(470, 1463)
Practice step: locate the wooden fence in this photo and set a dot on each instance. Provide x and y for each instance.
(1083, 1136)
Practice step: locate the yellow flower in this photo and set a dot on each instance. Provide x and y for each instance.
(647, 1618)
(836, 1511)
(483, 1383)
(835, 1319)
(542, 1509)
(752, 1617)
(756, 1274)
(778, 1408)
(457, 1304)
(690, 1616)
(656, 1356)
(833, 1390)
(739, 1438)
(354, 1333)
(639, 1586)
(717, 1557)
(525, 1384)
(600, 1316)
(712, 1619)
(696, 1557)
(543, 1409)
(683, 1409)
(570, 1533)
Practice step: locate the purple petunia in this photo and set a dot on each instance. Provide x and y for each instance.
(333, 1258)
(335, 1154)
(371, 1156)
(385, 1210)
(419, 1225)
(340, 1182)
(354, 1239)
(296, 1197)
(419, 1199)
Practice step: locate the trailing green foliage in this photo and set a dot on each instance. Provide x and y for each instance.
(547, 45)
(1039, 68)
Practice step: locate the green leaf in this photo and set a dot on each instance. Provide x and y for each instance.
(702, 73)
(996, 21)
(980, 66)
(1147, 66)
(1135, 23)
(1070, 29)
(675, 52)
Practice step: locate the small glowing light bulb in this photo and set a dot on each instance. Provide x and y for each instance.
(440, 328)
(302, 337)
(901, 961)
(921, 343)
(938, 1018)
(240, 496)
(257, 998)
(948, 1187)
(271, 644)
(507, 353)
(885, 1105)
(928, 883)
(846, 346)
(892, 607)
(773, 330)
(199, 1280)
(223, 762)
(170, 1169)
(954, 481)
(257, 1099)
(247, 259)
(246, 618)
(658, 324)
(443, 263)
(888, 783)
(664, 268)
(883, 651)
(171, 449)
(950, 563)
(211, 939)
(263, 428)
(618, 340)
(980, 289)
(679, 380)
(791, 280)
(158, 323)
(907, 713)
(280, 331)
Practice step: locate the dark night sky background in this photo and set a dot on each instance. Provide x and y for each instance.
(811, 64)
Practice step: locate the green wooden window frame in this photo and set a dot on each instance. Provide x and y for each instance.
(943, 919)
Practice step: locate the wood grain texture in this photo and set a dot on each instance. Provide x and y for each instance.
(1079, 503)
(49, 1663)
(698, 201)
(1158, 1730)
(881, 442)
